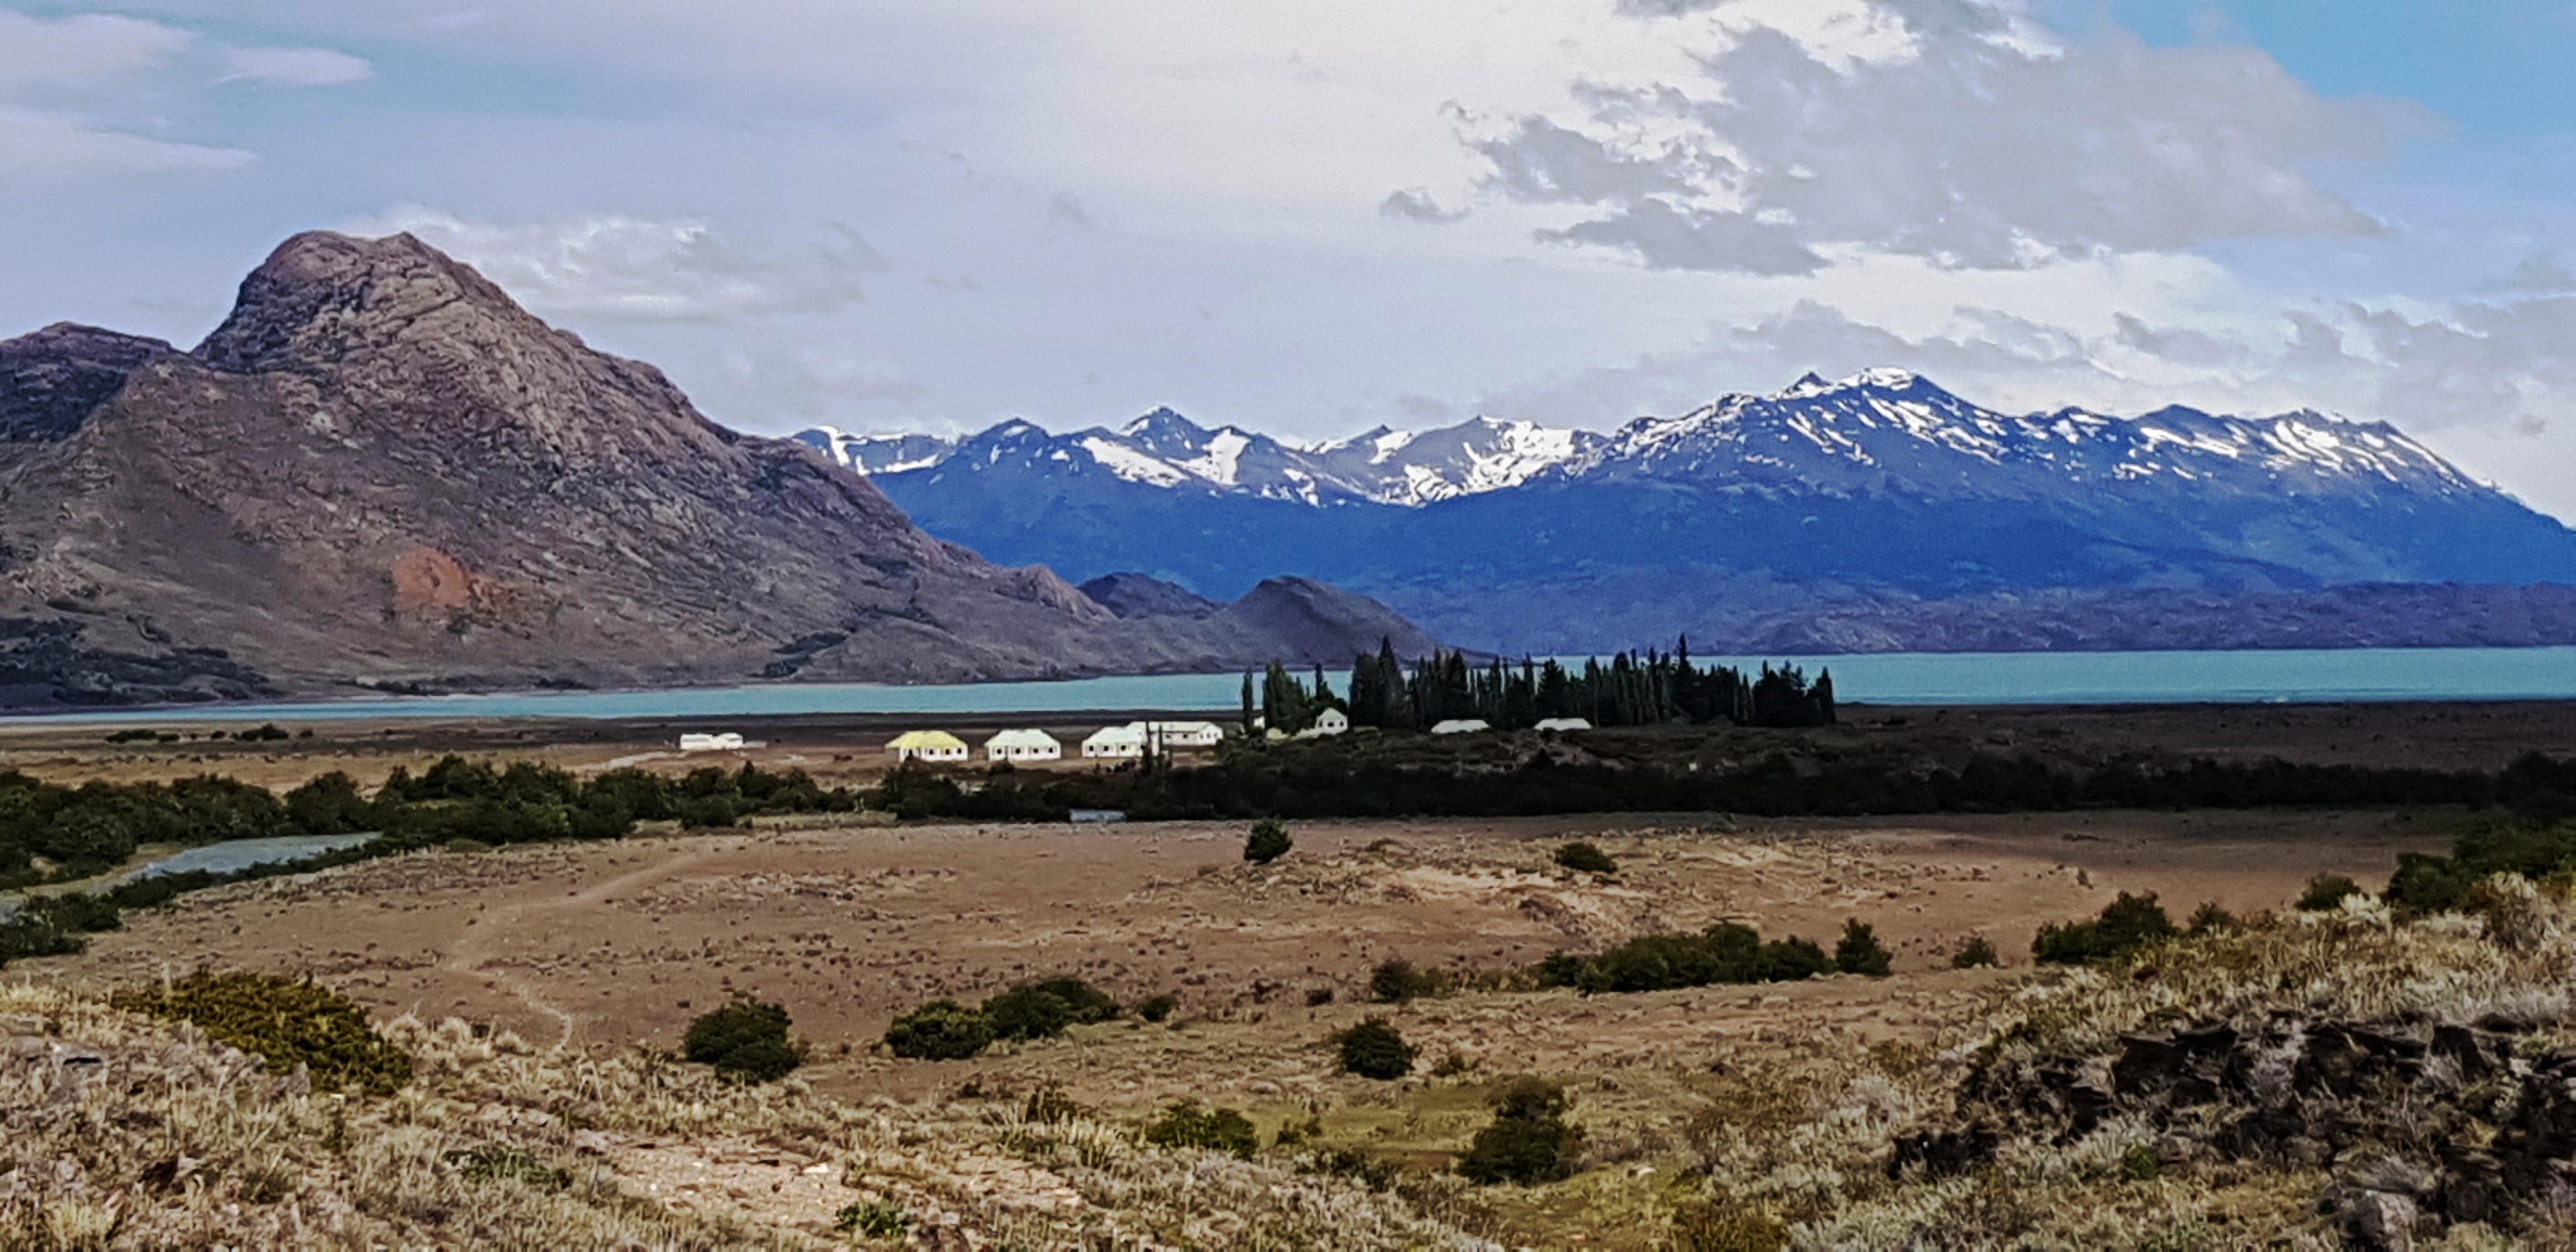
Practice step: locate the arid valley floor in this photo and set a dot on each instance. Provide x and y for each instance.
(576, 956)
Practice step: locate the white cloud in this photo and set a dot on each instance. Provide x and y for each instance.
(33, 141)
(1414, 204)
(295, 67)
(1979, 148)
(81, 50)
(624, 268)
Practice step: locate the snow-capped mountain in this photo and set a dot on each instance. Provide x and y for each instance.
(1882, 482)
(1164, 449)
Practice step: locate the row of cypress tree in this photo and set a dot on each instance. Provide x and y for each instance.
(1633, 689)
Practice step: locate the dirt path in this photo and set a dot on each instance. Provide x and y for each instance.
(473, 954)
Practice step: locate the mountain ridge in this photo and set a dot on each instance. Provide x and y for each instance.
(380, 470)
(1882, 483)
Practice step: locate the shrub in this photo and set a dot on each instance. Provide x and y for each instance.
(2327, 891)
(1974, 953)
(1043, 1009)
(1318, 997)
(1860, 952)
(1586, 858)
(1528, 1141)
(1186, 1125)
(1157, 1007)
(1399, 980)
(1724, 953)
(871, 1220)
(746, 1041)
(942, 1030)
(1374, 1049)
(1700, 1226)
(498, 1164)
(1268, 842)
(2126, 925)
(1351, 1163)
(2209, 919)
(285, 1021)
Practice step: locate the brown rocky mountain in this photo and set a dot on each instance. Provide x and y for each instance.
(380, 470)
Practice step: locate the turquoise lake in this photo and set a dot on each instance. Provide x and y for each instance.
(1879, 678)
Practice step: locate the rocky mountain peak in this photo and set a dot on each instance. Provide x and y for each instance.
(323, 297)
(53, 379)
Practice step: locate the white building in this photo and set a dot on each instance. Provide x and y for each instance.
(1460, 726)
(927, 745)
(1328, 722)
(1181, 734)
(726, 742)
(1116, 743)
(1563, 723)
(1023, 745)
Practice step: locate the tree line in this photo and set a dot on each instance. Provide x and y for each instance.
(1632, 689)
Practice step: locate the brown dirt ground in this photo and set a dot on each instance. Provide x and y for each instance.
(623, 943)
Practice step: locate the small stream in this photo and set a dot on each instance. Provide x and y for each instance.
(228, 857)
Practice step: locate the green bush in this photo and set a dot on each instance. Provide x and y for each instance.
(1860, 952)
(2126, 925)
(2209, 919)
(285, 1021)
(1375, 1049)
(942, 1030)
(1158, 1007)
(2327, 891)
(1396, 981)
(1724, 953)
(1586, 858)
(1528, 1141)
(746, 1041)
(873, 1221)
(499, 1164)
(1351, 1163)
(1268, 842)
(1186, 1125)
(1976, 952)
(1043, 1009)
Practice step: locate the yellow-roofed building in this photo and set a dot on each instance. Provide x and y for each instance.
(927, 745)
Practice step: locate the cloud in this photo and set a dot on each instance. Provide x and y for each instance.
(82, 50)
(1667, 238)
(1066, 212)
(625, 268)
(1977, 150)
(1415, 204)
(295, 67)
(32, 141)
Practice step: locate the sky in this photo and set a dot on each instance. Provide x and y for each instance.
(1316, 218)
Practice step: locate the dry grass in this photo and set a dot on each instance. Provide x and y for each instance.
(117, 1131)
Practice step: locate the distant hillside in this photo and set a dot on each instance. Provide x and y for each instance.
(381, 471)
(1730, 519)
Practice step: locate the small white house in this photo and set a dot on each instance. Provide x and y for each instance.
(1460, 726)
(1115, 743)
(1181, 734)
(725, 742)
(927, 745)
(1328, 722)
(1563, 723)
(1023, 745)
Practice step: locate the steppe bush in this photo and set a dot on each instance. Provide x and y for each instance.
(2126, 925)
(873, 1221)
(1528, 1141)
(1586, 858)
(2209, 919)
(1351, 1163)
(1724, 953)
(746, 1041)
(1043, 1009)
(1375, 1049)
(1700, 1226)
(286, 1022)
(1268, 842)
(1974, 953)
(1860, 952)
(2327, 891)
(1186, 1125)
(942, 1030)
(1398, 980)
(1158, 1007)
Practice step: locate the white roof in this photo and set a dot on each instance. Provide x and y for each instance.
(1563, 723)
(1460, 726)
(1118, 734)
(1022, 739)
(1176, 728)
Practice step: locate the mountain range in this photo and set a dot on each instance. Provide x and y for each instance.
(380, 471)
(1880, 499)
